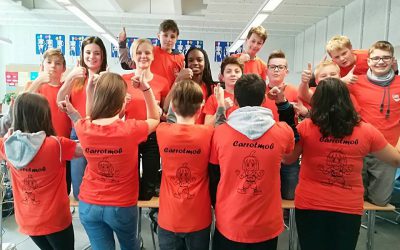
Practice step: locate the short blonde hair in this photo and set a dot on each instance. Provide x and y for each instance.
(324, 64)
(54, 53)
(338, 43)
(136, 45)
(382, 45)
(259, 31)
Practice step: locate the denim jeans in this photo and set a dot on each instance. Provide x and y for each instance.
(101, 222)
(198, 240)
(78, 166)
(289, 179)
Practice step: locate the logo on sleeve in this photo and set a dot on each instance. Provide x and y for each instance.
(183, 179)
(396, 97)
(336, 169)
(250, 173)
(29, 187)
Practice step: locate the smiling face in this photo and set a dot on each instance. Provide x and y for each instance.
(144, 56)
(93, 56)
(380, 62)
(231, 74)
(196, 62)
(254, 44)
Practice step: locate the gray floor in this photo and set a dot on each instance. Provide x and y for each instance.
(386, 236)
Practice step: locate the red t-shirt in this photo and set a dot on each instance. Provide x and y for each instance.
(136, 108)
(361, 64)
(291, 96)
(370, 97)
(111, 175)
(254, 66)
(166, 64)
(61, 122)
(184, 196)
(40, 195)
(248, 207)
(78, 98)
(330, 172)
(202, 115)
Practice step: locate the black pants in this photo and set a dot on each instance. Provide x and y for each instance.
(68, 176)
(62, 240)
(151, 176)
(220, 242)
(324, 230)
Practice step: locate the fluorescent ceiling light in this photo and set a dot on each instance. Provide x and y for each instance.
(85, 17)
(5, 40)
(110, 38)
(258, 20)
(236, 45)
(271, 5)
(63, 1)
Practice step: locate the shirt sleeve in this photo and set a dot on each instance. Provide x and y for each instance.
(67, 148)
(210, 107)
(139, 128)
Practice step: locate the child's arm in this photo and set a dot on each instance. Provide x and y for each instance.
(43, 77)
(76, 73)
(68, 108)
(304, 90)
(78, 151)
(90, 92)
(220, 117)
(125, 61)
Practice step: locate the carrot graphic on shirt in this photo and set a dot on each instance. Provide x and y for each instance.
(29, 187)
(183, 179)
(251, 173)
(336, 169)
(107, 171)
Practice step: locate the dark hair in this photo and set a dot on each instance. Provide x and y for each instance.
(332, 109)
(32, 114)
(186, 97)
(206, 76)
(109, 96)
(231, 60)
(276, 54)
(167, 25)
(96, 40)
(250, 90)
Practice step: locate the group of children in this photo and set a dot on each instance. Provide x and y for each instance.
(235, 148)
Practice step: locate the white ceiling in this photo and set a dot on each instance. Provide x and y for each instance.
(212, 16)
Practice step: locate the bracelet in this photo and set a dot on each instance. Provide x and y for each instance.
(146, 89)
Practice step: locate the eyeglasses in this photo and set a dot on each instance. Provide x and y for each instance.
(279, 67)
(385, 59)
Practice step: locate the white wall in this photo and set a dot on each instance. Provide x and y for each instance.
(363, 21)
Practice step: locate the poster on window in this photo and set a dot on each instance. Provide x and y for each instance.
(129, 42)
(75, 44)
(49, 41)
(184, 45)
(11, 78)
(222, 50)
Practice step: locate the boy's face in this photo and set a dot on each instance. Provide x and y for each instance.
(196, 62)
(54, 65)
(167, 39)
(380, 62)
(326, 72)
(254, 44)
(144, 56)
(343, 57)
(232, 73)
(277, 70)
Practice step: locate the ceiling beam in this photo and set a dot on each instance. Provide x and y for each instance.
(116, 5)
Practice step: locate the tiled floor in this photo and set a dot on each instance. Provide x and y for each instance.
(386, 237)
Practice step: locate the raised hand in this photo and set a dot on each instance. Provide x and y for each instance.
(300, 109)
(184, 74)
(43, 77)
(350, 77)
(77, 72)
(122, 35)
(306, 74)
(219, 95)
(277, 94)
(140, 82)
(244, 57)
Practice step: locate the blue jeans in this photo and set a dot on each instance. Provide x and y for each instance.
(198, 240)
(101, 222)
(289, 179)
(78, 166)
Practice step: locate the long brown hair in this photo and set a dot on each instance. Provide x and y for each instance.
(32, 114)
(109, 96)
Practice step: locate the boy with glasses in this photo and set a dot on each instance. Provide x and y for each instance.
(378, 94)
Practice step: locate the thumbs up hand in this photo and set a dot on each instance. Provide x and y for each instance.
(350, 78)
(43, 77)
(77, 72)
(306, 74)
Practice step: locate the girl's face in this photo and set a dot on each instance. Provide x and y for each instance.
(93, 56)
(232, 73)
(144, 56)
(196, 62)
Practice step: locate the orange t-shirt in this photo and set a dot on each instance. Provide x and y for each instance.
(248, 207)
(136, 108)
(202, 115)
(370, 97)
(111, 175)
(41, 202)
(254, 66)
(330, 172)
(361, 64)
(78, 98)
(291, 96)
(61, 122)
(166, 64)
(184, 196)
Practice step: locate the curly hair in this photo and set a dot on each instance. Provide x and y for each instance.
(332, 109)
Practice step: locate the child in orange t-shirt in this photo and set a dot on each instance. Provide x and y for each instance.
(93, 59)
(185, 211)
(329, 196)
(36, 159)
(167, 61)
(48, 83)
(255, 39)
(109, 190)
(245, 161)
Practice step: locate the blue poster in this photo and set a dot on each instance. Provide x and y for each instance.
(114, 49)
(75, 44)
(184, 45)
(154, 41)
(34, 75)
(48, 41)
(222, 50)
